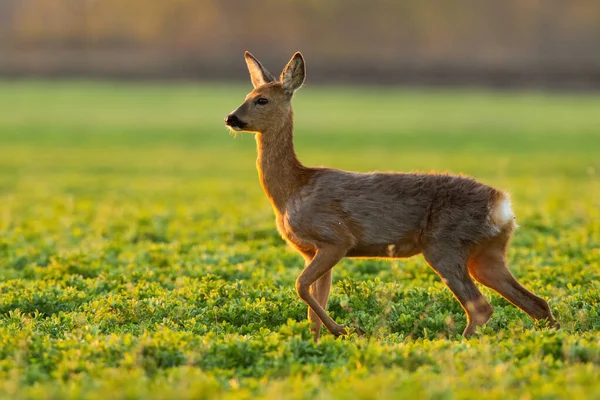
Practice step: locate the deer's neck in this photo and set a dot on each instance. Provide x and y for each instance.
(281, 173)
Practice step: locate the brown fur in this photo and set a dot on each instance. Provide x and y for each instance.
(461, 227)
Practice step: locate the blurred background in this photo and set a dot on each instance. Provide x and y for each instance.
(510, 43)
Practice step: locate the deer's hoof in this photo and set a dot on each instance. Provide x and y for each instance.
(339, 330)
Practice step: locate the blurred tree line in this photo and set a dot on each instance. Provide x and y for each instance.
(508, 42)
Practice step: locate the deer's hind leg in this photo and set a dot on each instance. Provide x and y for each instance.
(450, 264)
(488, 266)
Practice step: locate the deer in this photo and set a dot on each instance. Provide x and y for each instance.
(461, 227)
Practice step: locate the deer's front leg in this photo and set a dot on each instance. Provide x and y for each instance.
(324, 260)
(320, 289)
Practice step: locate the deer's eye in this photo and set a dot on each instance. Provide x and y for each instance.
(262, 101)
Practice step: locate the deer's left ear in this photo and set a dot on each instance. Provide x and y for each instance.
(258, 74)
(294, 73)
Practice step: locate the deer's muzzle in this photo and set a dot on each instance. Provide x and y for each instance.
(234, 122)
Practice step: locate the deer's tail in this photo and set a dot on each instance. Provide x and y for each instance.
(501, 213)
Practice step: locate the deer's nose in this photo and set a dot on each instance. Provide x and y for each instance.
(232, 120)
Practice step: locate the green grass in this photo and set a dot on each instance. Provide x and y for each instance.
(139, 256)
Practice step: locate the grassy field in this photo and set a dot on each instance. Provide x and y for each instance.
(139, 256)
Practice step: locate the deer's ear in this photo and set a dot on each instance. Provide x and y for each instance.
(258, 74)
(294, 73)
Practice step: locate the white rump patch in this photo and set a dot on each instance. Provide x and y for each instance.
(502, 213)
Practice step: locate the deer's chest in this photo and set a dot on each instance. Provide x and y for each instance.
(293, 236)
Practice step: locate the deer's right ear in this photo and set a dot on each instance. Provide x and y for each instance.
(258, 74)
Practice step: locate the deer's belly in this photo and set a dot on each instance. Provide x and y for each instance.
(397, 250)
(398, 247)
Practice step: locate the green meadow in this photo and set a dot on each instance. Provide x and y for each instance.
(139, 257)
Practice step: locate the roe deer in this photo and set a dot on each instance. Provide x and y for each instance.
(461, 227)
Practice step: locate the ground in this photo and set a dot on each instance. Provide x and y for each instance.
(139, 257)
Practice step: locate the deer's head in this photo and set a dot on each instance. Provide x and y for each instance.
(269, 105)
